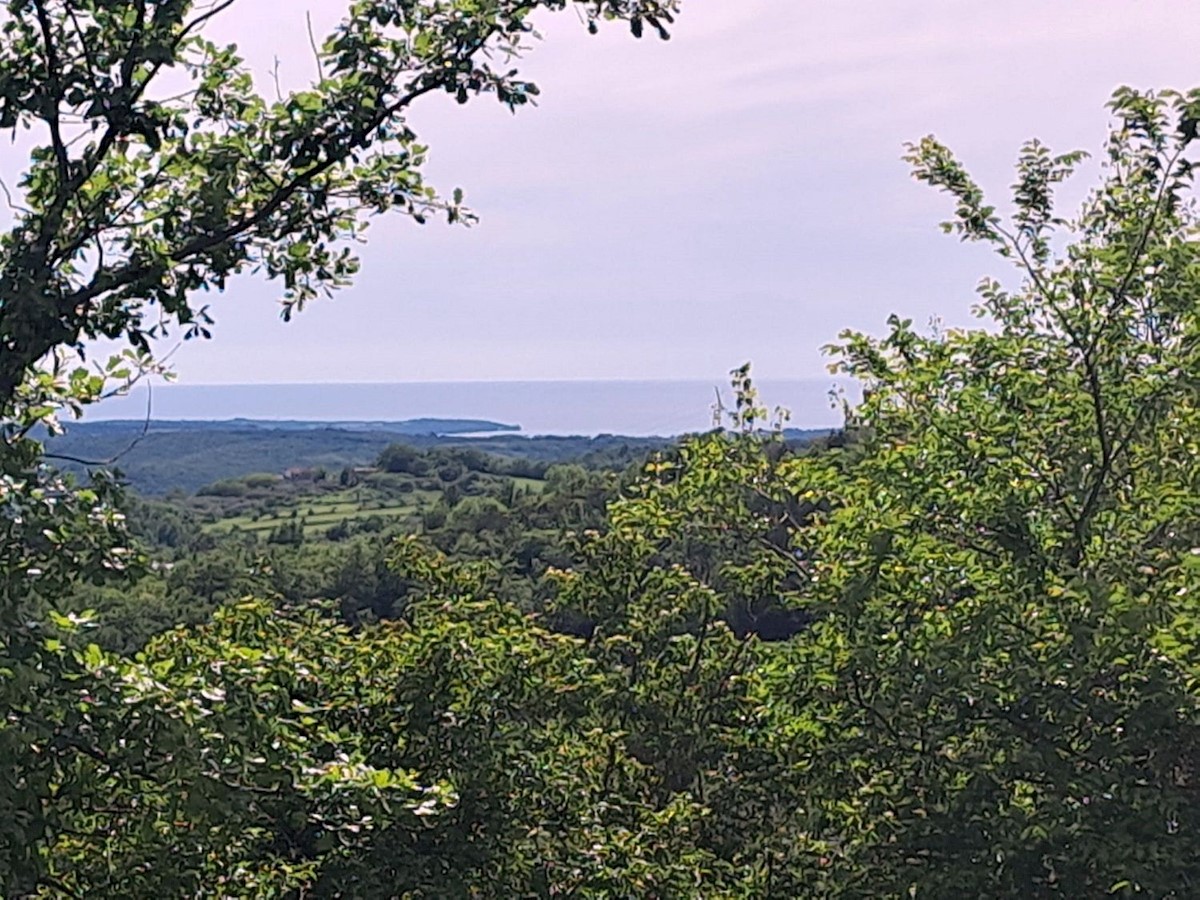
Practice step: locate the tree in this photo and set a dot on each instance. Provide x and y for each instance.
(403, 459)
(999, 696)
(159, 171)
(141, 194)
(994, 694)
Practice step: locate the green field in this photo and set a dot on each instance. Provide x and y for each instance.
(316, 515)
(533, 485)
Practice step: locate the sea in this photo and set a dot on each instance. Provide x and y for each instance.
(535, 407)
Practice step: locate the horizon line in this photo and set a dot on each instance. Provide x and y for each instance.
(614, 380)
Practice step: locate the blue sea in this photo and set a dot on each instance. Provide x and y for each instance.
(537, 407)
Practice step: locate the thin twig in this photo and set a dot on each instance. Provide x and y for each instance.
(145, 423)
(312, 42)
(9, 198)
(115, 458)
(275, 78)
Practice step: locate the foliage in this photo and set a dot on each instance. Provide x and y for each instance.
(228, 759)
(954, 653)
(158, 170)
(172, 458)
(999, 698)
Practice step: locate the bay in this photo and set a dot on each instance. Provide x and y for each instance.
(538, 407)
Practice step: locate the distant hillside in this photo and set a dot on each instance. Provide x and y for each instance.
(186, 458)
(426, 426)
(189, 455)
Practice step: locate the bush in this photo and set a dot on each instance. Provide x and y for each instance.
(226, 488)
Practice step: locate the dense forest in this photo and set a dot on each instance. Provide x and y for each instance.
(308, 534)
(951, 650)
(158, 458)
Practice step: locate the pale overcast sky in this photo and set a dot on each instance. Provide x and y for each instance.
(670, 210)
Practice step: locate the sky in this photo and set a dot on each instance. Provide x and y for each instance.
(671, 210)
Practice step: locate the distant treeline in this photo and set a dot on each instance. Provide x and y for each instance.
(167, 458)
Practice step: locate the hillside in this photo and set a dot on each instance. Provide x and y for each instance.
(185, 456)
